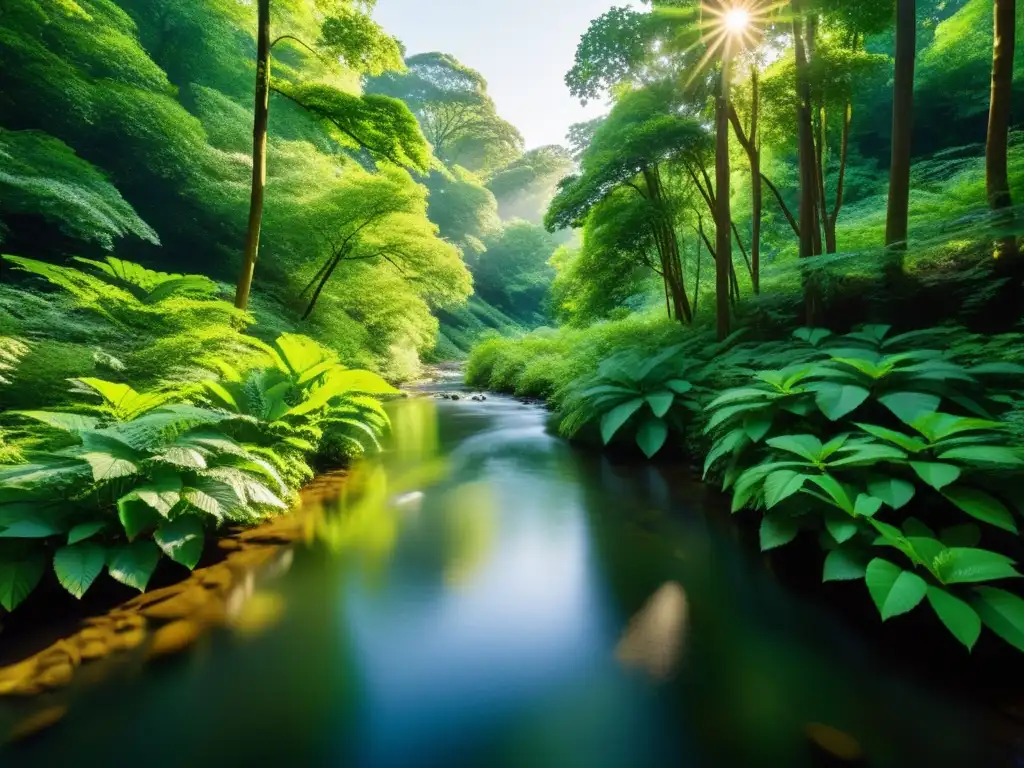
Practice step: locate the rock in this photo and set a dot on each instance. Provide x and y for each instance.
(174, 638)
(455, 397)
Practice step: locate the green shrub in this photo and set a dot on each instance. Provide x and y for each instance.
(855, 446)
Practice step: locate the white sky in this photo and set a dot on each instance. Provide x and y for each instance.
(523, 48)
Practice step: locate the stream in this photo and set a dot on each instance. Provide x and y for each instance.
(484, 594)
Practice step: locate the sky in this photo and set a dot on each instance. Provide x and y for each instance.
(522, 47)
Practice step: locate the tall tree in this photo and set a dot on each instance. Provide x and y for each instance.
(457, 115)
(376, 124)
(996, 173)
(902, 125)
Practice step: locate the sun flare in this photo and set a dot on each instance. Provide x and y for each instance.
(737, 20)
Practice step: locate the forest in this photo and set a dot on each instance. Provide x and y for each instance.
(788, 255)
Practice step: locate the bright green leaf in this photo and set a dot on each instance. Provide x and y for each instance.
(652, 436)
(894, 590)
(778, 530)
(182, 540)
(133, 564)
(613, 421)
(937, 475)
(78, 565)
(981, 506)
(960, 619)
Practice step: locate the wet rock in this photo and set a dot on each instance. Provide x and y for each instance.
(174, 638)
(455, 397)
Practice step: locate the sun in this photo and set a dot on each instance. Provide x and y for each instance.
(736, 20)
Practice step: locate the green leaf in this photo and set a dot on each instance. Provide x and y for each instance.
(163, 494)
(741, 393)
(182, 540)
(110, 466)
(984, 454)
(844, 564)
(866, 506)
(867, 454)
(19, 575)
(908, 406)
(67, 422)
(725, 414)
(679, 386)
(133, 565)
(967, 535)
(778, 530)
(892, 491)
(781, 484)
(835, 490)
(136, 516)
(661, 403)
(964, 565)
(179, 456)
(1002, 612)
(938, 476)
(806, 446)
(981, 506)
(894, 590)
(757, 424)
(927, 548)
(839, 400)
(652, 436)
(960, 619)
(812, 336)
(30, 528)
(906, 442)
(841, 527)
(84, 531)
(77, 566)
(724, 445)
(613, 421)
(914, 527)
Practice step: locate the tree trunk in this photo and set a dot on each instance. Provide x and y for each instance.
(757, 203)
(997, 179)
(261, 116)
(808, 183)
(668, 247)
(831, 245)
(902, 125)
(723, 214)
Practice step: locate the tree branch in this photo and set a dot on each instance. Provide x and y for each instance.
(782, 204)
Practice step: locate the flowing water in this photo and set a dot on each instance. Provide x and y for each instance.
(484, 594)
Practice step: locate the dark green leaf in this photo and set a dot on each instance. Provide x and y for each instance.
(894, 590)
(839, 400)
(757, 424)
(679, 386)
(19, 575)
(967, 535)
(892, 491)
(31, 528)
(835, 490)
(805, 446)
(652, 436)
(778, 530)
(136, 516)
(78, 565)
(908, 406)
(661, 402)
(182, 540)
(983, 454)
(906, 442)
(914, 527)
(844, 564)
(866, 506)
(841, 527)
(84, 531)
(133, 564)
(781, 484)
(938, 476)
(960, 619)
(1002, 612)
(612, 421)
(981, 506)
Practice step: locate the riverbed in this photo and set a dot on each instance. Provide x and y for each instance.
(484, 594)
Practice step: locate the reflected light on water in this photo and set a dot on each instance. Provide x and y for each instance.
(653, 641)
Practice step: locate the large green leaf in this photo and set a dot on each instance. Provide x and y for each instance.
(84, 531)
(67, 422)
(661, 402)
(866, 506)
(960, 619)
(892, 491)
(961, 565)
(908, 406)
(741, 394)
(32, 528)
(19, 574)
(1002, 612)
(837, 493)
(136, 516)
(78, 565)
(906, 442)
(806, 446)
(844, 564)
(722, 446)
(839, 400)
(937, 475)
(841, 527)
(777, 530)
(133, 564)
(781, 484)
(652, 436)
(613, 421)
(163, 494)
(984, 454)
(981, 506)
(182, 540)
(679, 386)
(757, 424)
(894, 590)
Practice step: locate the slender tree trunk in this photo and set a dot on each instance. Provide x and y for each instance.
(808, 185)
(902, 125)
(696, 287)
(261, 115)
(996, 173)
(668, 246)
(723, 214)
(752, 146)
(831, 245)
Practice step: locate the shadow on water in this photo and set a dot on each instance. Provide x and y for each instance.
(483, 594)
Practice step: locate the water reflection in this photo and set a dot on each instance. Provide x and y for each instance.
(484, 595)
